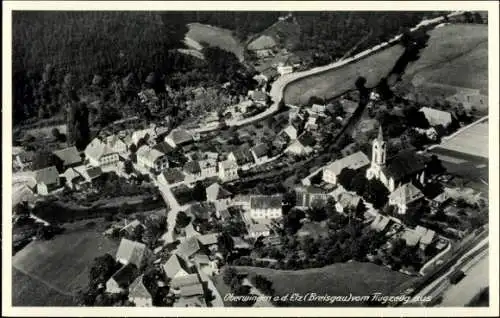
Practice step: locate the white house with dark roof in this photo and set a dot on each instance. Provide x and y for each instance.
(47, 180)
(266, 206)
(404, 196)
(151, 158)
(355, 161)
(100, 154)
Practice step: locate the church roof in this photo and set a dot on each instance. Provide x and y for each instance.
(405, 163)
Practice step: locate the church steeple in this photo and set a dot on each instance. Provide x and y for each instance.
(379, 149)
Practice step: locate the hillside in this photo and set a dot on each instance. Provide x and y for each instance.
(335, 280)
(456, 55)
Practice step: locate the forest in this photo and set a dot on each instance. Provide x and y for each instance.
(61, 58)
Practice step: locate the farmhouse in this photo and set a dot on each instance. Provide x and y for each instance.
(259, 153)
(117, 144)
(47, 180)
(228, 170)
(284, 69)
(175, 267)
(139, 294)
(437, 117)
(208, 168)
(121, 280)
(266, 206)
(74, 180)
(100, 154)
(404, 196)
(306, 197)
(404, 167)
(151, 158)
(355, 161)
(262, 46)
(179, 137)
(131, 252)
(68, 157)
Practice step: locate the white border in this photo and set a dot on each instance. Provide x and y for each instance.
(490, 6)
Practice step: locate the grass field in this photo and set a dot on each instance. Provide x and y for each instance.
(334, 280)
(215, 37)
(456, 55)
(339, 80)
(59, 266)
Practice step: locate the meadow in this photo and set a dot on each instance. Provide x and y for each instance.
(337, 81)
(215, 36)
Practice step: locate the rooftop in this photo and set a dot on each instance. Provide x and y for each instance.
(69, 156)
(48, 175)
(131, 252)
(355, 161)
(216, 192)
(266, 201)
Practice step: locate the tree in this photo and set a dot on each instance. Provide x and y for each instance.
(376, 193)
(101, 270)
(345, 177)
(291, 221)
(182, 220)
(133, 148)
(128, 167)
(359, 183)
(317, 211)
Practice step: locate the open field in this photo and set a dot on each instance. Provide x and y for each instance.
(215, 36)
(27, 291)
(60, 266)
(456, 55)
(339, 80)
(360, 279)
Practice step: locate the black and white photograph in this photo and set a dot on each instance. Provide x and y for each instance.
(273, 157)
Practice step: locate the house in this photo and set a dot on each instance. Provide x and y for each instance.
(256, 230)
(192, 168)
(147, 135)
(311, 123)
(131, 252)
(260, 153)
(418, 235)
(163, 147)
(90, 174)
(100, 154)
(74, 180)
(259, 97)
(298, 149)
(208, 240)
(355, 161)
(318, 109)
(130, 228)
(188, 248)
(47, 180)
(216, 193)
(346, 201)
(171, 175)
(206, 265)
(266, 206)
(291, 132)
(117, 144)
(380, 223)
(240, 244)
(404, 167)
(228, 170)
(175, 268)
(202, 211)
(284, 69)
(24, 160)
(208, 168)
(404, 196)
(68, 157)
(139, 294)
(305, 197)
(428, 236)
(22, 194)
(151, 158)
(121, 280)
(242, 156)
(179, 137)
(437, 117)
(261, 45)
(440, 200)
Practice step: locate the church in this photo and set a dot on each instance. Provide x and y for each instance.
(406, 166)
